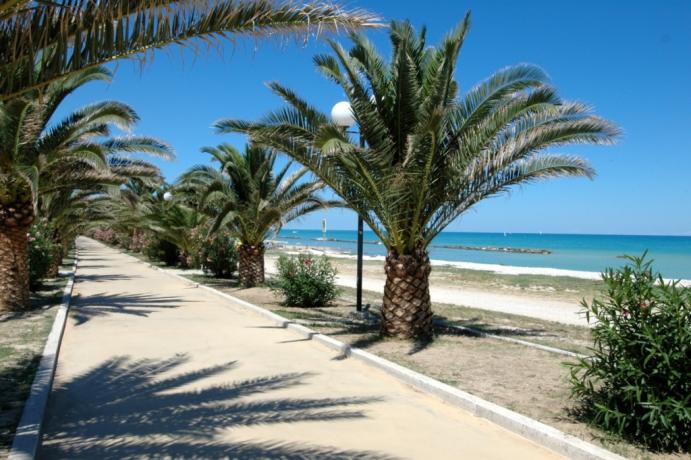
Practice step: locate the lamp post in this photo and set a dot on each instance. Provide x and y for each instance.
(342, 115)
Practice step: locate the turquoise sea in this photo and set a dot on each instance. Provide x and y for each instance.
(672, 254)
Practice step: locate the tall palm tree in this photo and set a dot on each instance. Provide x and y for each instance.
(431, 153)
(39, 158)
(43, 41)
(246, 196)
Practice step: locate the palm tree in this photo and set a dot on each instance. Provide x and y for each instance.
(248, 198)
(177, 223)
(131, 208)
(38, 159)
(41, 42)
(431, 152)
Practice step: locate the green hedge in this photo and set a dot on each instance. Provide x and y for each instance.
(638, 382)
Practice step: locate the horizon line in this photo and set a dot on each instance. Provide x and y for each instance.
(682, 235)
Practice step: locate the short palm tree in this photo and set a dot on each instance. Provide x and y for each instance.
(38, 159)
(246, 196)
(432, 153)
(42, 41)
(177, 223)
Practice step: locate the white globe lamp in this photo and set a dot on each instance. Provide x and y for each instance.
(167, 196)
(342, 114)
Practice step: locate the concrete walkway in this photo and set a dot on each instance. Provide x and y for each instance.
(151, 367)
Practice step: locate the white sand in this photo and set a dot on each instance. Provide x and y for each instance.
(536, 307)
(541, 308)
(494, 268)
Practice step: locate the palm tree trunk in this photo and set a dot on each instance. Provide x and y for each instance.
(56, 260)
(251, 264)
(407, 310)
(14, 260)
(57, 256)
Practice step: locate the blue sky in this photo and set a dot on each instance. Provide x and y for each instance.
(630, 60)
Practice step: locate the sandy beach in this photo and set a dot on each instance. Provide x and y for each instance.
(504, 299)
(546, 293)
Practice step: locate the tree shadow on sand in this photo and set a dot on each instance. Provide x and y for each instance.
(126, 409)
(86, 308)
(476, 324)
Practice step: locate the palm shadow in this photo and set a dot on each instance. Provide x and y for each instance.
(98, 278)
(85, 308)
(482, 327)
(125, 409)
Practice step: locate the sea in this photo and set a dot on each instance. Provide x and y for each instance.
(593, 253)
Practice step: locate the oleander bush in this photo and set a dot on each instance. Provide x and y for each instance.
(306, 281)
(106, 235)
(219, 256)
(637, 384)
(41, 252)
(140, 240)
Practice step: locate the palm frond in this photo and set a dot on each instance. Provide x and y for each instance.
(46, 41)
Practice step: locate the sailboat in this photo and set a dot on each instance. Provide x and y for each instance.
(323, 238)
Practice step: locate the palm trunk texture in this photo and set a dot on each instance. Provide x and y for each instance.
(56, 260)
(14, 261)
(407, 310)
(251, 264)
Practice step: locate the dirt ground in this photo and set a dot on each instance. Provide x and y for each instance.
(22, 338)
(526, 380)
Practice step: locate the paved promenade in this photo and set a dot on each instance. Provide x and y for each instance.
(151, 367)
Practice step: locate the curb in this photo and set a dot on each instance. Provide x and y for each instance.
(545, 435)
(27, 438)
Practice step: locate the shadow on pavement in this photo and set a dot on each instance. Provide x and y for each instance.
(96, 278)
(85, 308)
(126, 409)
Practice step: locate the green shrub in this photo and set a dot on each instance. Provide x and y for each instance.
(163, 251)
(638, 382)
(306, 281)
(41, 250)
(219, 256)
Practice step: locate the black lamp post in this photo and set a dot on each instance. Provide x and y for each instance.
(342, 115)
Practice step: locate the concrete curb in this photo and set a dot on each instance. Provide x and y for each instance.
(545, 435)
(27, 438)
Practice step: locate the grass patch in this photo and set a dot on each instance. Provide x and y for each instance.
(22, 338)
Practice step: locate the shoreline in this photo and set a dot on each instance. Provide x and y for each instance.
(494, 268)
(460, 247)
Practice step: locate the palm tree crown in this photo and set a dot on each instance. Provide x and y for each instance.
(246, 196)
(431, 153)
